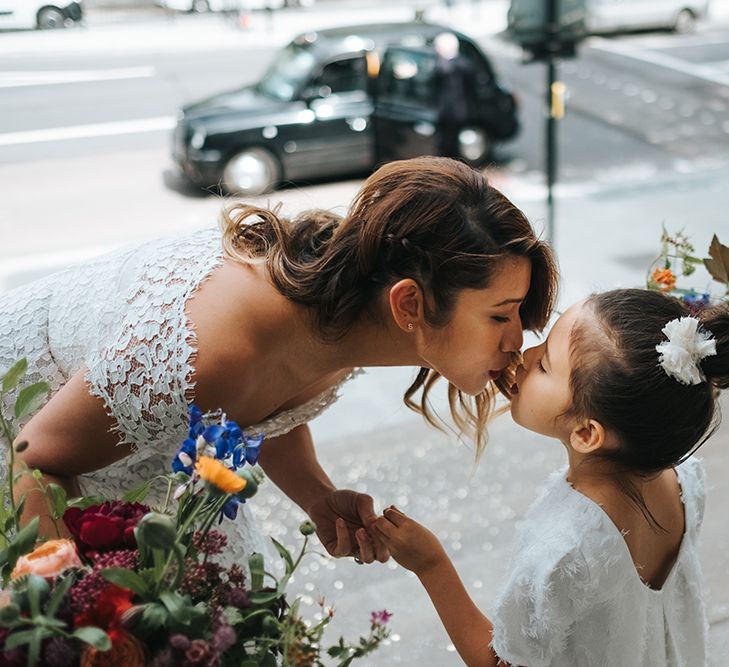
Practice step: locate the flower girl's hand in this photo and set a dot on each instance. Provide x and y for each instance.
(344, 523)
(411, 544)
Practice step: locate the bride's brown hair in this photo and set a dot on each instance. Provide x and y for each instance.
(434, 220)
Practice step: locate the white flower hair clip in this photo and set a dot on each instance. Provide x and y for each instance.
(685, 348)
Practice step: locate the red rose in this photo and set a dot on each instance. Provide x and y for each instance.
(106, 526)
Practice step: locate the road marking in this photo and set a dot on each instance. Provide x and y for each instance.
(47, 78)
(87, 131)
(660, 59)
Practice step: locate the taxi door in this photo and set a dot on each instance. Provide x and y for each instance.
(405, 112)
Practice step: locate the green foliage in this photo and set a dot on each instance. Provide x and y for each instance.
(268, 630)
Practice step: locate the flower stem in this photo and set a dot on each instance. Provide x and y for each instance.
(7, 432)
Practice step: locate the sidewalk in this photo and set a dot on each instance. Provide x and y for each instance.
(370, 442)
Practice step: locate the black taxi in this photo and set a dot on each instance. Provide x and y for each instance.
(337, 102)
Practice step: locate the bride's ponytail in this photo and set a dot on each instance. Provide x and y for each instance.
(251, 233)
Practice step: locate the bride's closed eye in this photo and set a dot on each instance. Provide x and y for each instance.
(500, 319)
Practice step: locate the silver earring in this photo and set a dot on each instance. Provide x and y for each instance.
(410, 326)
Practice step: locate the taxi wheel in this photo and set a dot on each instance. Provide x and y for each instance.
(685, 22)
(474, 145)
(253, 171)
(51, 18)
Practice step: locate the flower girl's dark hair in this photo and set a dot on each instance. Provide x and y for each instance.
(617, 380)
(434, 220)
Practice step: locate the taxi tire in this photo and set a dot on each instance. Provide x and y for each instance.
(264, 160)
(50, 18)
(685, 22)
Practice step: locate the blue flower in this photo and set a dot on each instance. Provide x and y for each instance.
(195, 421)
(248, 450)
(230, 443)
(189, 450)
(697, 302)
(230, 509)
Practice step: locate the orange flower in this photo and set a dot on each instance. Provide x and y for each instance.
(215, 473)
(127, 651)
(48, 560)
(664, 278)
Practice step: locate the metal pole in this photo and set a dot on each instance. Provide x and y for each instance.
(551, 138)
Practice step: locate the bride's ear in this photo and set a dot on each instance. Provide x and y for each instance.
(406, 304)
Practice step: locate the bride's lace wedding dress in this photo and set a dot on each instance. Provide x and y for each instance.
(123, 317)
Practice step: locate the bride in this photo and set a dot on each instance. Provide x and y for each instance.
(266, 320)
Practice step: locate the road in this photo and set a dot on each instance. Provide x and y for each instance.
(85, 128)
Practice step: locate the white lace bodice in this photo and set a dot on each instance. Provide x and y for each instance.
(123, 317)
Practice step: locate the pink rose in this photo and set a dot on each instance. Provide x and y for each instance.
(48, 560)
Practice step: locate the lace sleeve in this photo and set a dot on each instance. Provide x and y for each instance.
(143, 369)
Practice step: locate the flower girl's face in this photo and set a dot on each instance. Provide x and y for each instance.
(541, 393)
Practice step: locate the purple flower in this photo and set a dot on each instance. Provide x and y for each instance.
(238, 598)
(180, 642)
(380, 617)
(224, 638)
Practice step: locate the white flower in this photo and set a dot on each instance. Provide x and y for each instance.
(685, 348)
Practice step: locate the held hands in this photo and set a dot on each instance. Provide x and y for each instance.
(345, 525)
(412, 545)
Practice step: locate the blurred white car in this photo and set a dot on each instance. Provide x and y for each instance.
(43, 14)
(229, 5)
(615, 15)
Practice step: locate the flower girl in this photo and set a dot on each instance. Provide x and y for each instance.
(606, 568)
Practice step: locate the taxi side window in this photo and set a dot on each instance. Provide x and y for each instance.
(406, 77)
(343, 76)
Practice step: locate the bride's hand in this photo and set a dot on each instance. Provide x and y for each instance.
(344, 521)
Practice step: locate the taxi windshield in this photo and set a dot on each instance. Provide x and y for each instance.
(287, 73)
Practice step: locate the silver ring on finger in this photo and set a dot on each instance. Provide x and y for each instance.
(358, 560)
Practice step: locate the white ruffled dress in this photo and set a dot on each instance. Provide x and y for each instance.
(574, 597)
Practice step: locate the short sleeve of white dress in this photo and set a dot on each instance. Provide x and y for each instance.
(537, 608)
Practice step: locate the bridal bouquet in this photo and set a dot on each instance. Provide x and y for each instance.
(139, 585)
(678, 261)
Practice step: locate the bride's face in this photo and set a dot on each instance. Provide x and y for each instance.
(485, 328)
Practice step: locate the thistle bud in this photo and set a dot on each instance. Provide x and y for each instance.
(251, 483)
(156, 531)
(307, 528)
